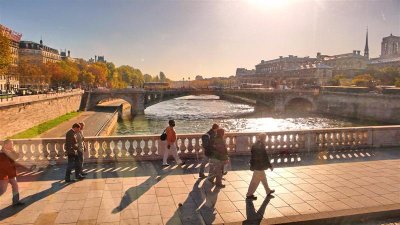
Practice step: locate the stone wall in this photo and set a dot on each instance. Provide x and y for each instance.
(19, 116)
(374, 107)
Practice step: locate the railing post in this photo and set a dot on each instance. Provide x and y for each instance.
(310, 139)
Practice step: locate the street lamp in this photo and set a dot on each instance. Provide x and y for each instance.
(189, 82)
(183, 83)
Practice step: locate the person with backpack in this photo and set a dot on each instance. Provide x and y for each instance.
(259, 162)
(219, 157)
(169, 144)
(207, 139)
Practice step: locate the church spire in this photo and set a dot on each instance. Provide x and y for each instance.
(366, 49)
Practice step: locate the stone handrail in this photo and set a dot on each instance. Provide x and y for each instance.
(39, 97)
(148, 147)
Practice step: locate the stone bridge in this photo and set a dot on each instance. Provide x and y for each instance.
(140, 99)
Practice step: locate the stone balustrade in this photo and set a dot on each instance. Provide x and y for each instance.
(148, 147)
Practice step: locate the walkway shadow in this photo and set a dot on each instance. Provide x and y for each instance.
(134, 193)
(255, 217)
(199, 207)
(11, 210)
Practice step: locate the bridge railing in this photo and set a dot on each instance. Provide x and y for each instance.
(149, 147)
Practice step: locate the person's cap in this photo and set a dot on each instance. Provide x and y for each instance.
(215, 126)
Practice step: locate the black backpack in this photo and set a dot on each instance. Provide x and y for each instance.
(205, 140)
(163, 136)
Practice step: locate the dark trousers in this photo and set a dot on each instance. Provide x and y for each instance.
(73, 163)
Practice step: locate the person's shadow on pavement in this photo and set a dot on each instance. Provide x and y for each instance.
(255, 217)
(12, 210)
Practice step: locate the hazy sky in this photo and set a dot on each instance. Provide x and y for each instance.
(210, 38)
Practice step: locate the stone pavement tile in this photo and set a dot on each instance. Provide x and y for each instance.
(26, 217)
(383, 200)
(165, 200)
(59, 197)
(394, 197)
(92, 202)
(162, 192)
(292, 187)
(107, 216)
(239, 184)
(240, 204)
(304, 208)
(324, 187)
(129, 222)
(365, 200)
(225, 206)
(73, 204)
(287, 211)
(110, 203)
(290, 198)
(53, 207)
(161, 184)
(95, 194)
(278, 202)
(97, 186)
(352, 203)
(76, 196)
(222, 196)
(112, 194)
(304, 195)
(68, 216)
(296, 180)
(109, 223)
(347, 191)
(182, 198)
(337, 195)
(232, 217)
(234, 196)
(281, 189)
(337, 205)
(318, 205)
(86, 222)
(150, 220)
(89, 213)
(168, 211)
(144, 199)
(272, 212)
(281, 180)
(129, 214)
(232, 177)
(113, 187)
(308, 187)
(46, 218)
(179, 190)
(173, 220)
(149, 209)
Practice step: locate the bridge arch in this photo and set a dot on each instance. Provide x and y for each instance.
(299, 103)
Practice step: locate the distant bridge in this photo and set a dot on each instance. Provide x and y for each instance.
(140, 99)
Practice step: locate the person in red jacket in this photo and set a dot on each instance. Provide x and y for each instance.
(170, 144)
(8, 171)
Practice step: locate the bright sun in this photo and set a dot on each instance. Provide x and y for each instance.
(268, 3)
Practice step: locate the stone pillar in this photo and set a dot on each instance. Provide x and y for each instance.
(137, 106)
(310, 141)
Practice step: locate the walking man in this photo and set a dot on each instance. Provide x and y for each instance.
(71, 148)
(208, 148)
(81, 147)
(258, 163)
(8, 171)
(170, 144)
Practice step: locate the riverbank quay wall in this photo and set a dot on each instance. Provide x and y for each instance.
(148, 147)
(384, 108)
(25, 112)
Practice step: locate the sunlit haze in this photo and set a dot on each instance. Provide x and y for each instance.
(209, 38)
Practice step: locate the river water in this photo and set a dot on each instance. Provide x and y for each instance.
(196, 114)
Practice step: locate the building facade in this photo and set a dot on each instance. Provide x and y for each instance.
(390, 54)
(10, 81)
(37, 53)
(349, 64)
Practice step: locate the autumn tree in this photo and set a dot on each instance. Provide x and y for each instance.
(30, 74)
(100, 72)
(5, 54)
(147, 78)
(364, 80)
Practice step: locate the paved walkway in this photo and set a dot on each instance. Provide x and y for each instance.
(307, 188)
(94, 120)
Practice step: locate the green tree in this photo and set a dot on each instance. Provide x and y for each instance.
(5, 54)
(131, 76)
(147, 78)
(387, 75)
(364, 80)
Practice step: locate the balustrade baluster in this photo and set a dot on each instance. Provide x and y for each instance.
(146, 149)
